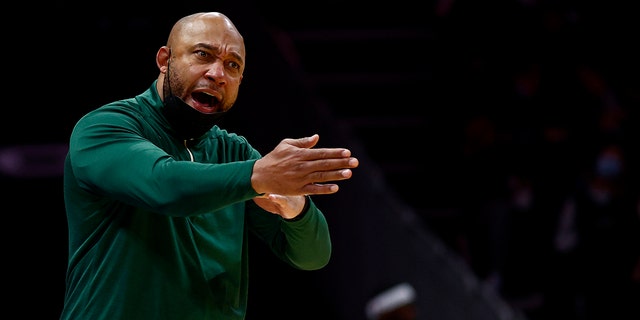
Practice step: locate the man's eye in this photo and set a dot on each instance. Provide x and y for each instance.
(201, 53)
(234, 65)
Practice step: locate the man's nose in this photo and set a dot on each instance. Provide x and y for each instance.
(216, 72)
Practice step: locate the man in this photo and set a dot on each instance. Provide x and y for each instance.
(160, 201)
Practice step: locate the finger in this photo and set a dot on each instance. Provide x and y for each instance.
(319, 188)
(326, 153)
(327, 176)
(306, 142)
(327, 165)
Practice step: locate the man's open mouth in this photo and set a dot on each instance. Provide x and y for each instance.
(206, 102)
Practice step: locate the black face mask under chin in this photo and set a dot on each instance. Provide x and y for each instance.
(188, 122)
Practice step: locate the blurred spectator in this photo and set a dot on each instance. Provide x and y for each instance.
(395, 303)
(597, 244)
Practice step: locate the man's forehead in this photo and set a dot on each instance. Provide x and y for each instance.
(213, 34)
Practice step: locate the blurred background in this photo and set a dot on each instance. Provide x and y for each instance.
(497, 140)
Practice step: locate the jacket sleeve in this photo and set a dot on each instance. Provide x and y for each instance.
(304, 244)
(110, 157)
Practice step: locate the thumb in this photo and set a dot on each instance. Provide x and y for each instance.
(306, 142)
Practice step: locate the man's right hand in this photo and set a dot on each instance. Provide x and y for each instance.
(294, 167)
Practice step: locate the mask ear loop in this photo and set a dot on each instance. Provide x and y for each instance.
(166, 88)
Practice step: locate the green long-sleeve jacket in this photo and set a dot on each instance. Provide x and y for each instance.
(159, 228)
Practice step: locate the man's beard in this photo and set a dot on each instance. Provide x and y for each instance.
(186, 121)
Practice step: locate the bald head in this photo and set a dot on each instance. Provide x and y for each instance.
(210, 31)
(201, 22)
(206, 55)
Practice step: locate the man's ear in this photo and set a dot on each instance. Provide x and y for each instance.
(162, 58)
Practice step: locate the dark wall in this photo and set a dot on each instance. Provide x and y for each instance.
(64, 59)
